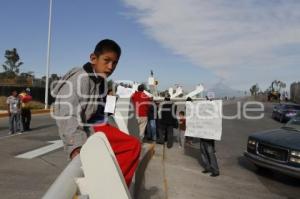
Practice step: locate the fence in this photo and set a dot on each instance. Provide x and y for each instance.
(38, 93)
(295, 92)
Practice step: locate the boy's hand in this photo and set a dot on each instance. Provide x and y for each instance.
(74, 153)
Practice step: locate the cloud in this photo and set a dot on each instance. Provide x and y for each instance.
(237, 40)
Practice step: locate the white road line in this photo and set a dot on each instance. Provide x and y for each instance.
(41, 151)
(12, 135)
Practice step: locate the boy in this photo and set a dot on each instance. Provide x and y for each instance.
(80, 102)
(13, 109)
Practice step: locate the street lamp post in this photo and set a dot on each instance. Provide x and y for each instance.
(48, 56)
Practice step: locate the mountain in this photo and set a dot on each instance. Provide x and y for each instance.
(221, 90)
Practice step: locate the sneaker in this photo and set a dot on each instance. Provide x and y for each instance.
(214, 174)
(10, 133)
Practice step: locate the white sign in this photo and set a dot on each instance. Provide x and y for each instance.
(124, 92)
(147, 93)
(151, 81)
(204, 119)
(198, 90)
(110, 104)
(178, 92)
(171, 91)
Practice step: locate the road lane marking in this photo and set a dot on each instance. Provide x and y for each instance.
(41, 151)
(12, 135)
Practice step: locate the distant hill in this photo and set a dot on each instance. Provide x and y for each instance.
(221, 90)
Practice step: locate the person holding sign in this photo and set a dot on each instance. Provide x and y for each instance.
(204, 121)
(208, 157)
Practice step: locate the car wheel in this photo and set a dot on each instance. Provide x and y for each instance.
(261, 169)
(273, 115)
(281, 120)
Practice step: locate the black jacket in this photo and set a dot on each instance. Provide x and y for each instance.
(167, 114)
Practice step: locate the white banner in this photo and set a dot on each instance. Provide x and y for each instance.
(204, 119)
(151, 81)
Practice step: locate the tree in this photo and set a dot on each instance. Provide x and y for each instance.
(277, 85)
(254, 89)
(29, 74)
(12, 63)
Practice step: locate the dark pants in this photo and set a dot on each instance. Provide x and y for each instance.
(166, 133)
(208, 156)
(26, 118)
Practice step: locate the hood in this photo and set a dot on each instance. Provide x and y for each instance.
(280, 137)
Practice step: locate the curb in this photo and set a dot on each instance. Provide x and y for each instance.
(33, 112)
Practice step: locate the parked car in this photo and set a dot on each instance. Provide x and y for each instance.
(284, 112)
(277, 149)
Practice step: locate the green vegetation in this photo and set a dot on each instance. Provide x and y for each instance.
(254, 89)
(32, 104)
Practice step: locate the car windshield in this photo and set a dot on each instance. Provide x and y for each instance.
(292, 107)
(293, 124)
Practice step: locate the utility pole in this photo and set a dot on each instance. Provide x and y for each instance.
(48, 55)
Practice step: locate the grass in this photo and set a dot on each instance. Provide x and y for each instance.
(33, 104)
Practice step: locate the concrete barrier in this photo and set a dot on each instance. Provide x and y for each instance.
(65, 187)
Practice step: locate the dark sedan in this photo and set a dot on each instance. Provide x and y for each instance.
(277, 149)
(284, 112)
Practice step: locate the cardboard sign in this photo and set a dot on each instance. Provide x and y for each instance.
(204, 119)
(110, 104)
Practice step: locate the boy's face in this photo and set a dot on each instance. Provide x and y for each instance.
(105, 64)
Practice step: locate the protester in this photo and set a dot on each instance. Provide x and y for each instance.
(141, 103)
(167, 121)
(25, 98)
(13, 109)
(188, 139)
(286, 96)
(151, 126)
(80, 103)
(208, 156)
(182, 128)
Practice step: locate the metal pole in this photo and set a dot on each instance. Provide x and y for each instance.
(48, 55)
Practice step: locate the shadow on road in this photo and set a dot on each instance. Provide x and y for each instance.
(148, 193)
(42, 127)
(273, 180)
(193, 151)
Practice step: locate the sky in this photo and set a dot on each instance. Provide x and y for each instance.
(238, 43)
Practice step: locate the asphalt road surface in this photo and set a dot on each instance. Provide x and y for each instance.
(30, 178)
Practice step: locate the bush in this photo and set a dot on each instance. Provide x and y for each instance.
(33, 104)
(3, 105)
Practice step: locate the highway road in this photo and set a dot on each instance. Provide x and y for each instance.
(30, 178)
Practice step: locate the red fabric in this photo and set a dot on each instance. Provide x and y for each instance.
(141, 103)
(182, 124)
(126, 148)
(25, 97)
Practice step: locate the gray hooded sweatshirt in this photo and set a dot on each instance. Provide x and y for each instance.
(78, 95)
